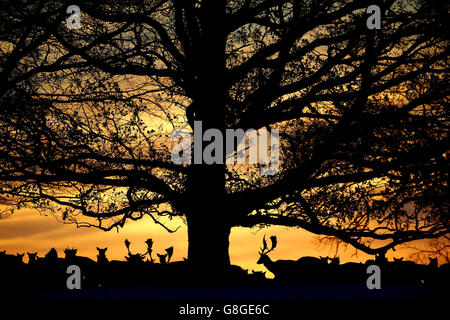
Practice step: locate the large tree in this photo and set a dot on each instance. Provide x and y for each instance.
(86, 115)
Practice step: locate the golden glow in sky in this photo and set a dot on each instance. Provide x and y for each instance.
(27, 231)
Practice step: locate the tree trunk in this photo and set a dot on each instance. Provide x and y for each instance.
(208, 229)
(208, 239)
(206, 213)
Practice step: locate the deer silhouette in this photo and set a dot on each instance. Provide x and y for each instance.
(168, 255)
(72, 258)
(430, 272)
(133, 257)
(19, 257)
(403, 263)
(334, 261)
(258, 275)
(433, 264)
(289, 269)
(32, 258)
(101, 257)
(86, 265)
(149, 243)
(51, 257)
(380, 259)
(351, 272)
(10, 259)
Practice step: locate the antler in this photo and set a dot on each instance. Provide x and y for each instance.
(169, 253)
(265, 249)
(127, 244)
(149, 243)
(140, 255)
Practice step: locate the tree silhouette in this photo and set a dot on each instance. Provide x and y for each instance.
(87, 114)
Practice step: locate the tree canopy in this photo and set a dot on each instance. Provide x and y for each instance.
(86, 115)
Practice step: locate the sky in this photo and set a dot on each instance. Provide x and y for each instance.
(29, 231)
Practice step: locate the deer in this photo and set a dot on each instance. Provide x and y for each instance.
(32, 258)
(51, 257)
(433, 264)
(10, 259)
(72, 258)
(380, 259)
(86, 265)
(288, 269)
(101, 257)
(334, 261)
(313, 260)
(168, 255)
(258, 275)
(430, 271)
(133, 257)
(265, 260)
(19, 258)
(351, 272)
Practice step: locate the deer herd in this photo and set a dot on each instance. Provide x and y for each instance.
(143, 268)
(330, 270)
(50, 270)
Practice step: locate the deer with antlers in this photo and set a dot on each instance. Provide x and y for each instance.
(289, 269)
(279, 268)
(134, 257)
